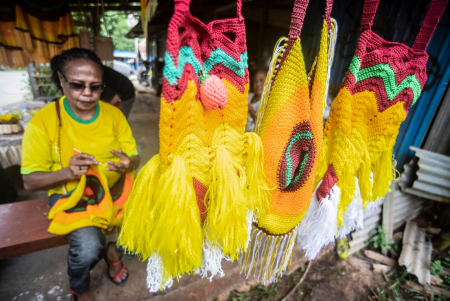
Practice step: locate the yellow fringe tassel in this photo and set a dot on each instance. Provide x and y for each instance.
(136, 227)
(383, 173)
(177, 233)
(364, 180)
(226, 223)
(258, 196)
(169, 224)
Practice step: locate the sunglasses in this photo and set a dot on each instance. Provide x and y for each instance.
(80, 87)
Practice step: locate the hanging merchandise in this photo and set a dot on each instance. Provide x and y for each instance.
(384, 80)
(85, 38)
(148, 9)
(34, 31)
(290, 124)
(103, 46)
(193, 204)
(84, 35)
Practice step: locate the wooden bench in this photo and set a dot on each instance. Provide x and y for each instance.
(23, 229)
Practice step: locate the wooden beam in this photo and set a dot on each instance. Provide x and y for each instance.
(91, 8)
(380, 258)
(77, 2)
(123, 2)
(262, 32)
(95, 23)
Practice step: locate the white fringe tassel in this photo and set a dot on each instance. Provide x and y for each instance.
(318, 227)
(211, 260)
(213, 254)
(155, 273)
(269, 256)
(355, 213)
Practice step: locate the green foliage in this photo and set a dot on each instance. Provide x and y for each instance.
(258, 293)
(49, 91)
(436, 268)
(114, 25)
(379, 241)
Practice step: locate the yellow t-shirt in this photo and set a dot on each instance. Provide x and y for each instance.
(107, 130)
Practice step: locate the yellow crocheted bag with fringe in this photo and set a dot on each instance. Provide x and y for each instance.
(194, 202)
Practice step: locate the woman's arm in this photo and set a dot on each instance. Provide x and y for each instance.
(39, 180)
(252, 112)
(115, 99)
(46, 180)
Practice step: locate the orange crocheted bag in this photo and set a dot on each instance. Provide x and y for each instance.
(290, 124)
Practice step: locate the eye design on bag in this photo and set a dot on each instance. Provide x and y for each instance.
(297, 159)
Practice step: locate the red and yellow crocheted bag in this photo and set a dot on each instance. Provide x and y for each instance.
(199, 195)
(384, 80)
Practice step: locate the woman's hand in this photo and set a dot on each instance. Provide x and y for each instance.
(125, 164)
(79, 165)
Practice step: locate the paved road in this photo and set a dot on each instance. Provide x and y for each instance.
(13, 87)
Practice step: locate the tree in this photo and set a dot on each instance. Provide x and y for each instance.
(114, 25)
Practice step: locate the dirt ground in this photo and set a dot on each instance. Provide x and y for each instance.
(329, 279)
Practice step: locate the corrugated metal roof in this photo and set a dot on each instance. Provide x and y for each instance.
(433, 175)
(416, 252)
(406, 207)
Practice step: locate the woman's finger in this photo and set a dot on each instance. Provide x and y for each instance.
(85, 162)
(115, 164)
(84, 156)
(119, 155)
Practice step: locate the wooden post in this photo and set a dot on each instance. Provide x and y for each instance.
(262, 32)
(388, 214)
(33, 80)
(95, 23)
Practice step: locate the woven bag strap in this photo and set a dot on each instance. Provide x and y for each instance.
(58, 111)
(297, 18)
(369, 11)
(327, 16)
(183, 6)
(239, 10)
(429, 24)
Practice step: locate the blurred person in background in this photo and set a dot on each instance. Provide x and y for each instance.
(254, 97)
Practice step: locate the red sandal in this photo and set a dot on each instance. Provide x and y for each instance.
(74, 294)
(116, 279)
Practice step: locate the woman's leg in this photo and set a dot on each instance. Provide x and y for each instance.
(87, 246)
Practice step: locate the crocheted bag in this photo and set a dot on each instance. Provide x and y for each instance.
(384, 80)
(290, 124)
(200, 193)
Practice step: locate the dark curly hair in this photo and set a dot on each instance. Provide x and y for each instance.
(59, 62)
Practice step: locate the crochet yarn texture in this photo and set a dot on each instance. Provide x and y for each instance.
(290, 126)
(193, 204)
(383, 81)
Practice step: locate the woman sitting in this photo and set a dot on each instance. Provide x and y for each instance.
(82, 151)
